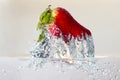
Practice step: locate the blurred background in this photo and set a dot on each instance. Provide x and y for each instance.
(18, 21)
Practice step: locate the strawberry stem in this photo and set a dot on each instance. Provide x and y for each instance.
(49, 6)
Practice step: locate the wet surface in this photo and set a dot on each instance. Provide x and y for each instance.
(24, 69)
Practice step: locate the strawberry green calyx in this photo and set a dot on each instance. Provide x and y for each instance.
(42, 35)
(45, 19)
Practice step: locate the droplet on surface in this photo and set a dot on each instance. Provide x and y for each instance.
(118, 70)
(116, 77)
(3, 71)
(20, 67)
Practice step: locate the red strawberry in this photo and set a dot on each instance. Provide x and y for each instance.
(62, 19)
(54, 30)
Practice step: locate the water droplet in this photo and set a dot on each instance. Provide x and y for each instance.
(116, 77)
(111, 79)
(4, 72)
(113, 66)
(20, 67)
(118, 70)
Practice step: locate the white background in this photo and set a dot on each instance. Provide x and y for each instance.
(18, 21)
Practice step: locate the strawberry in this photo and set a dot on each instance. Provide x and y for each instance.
(59, 22)
(54, 30)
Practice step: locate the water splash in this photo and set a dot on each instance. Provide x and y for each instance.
(56, 48)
